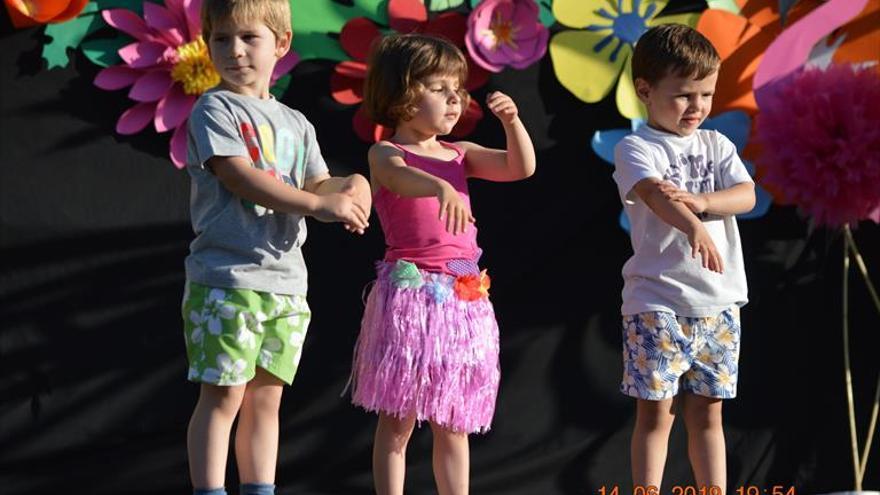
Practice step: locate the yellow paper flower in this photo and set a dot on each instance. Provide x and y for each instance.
(595, 54)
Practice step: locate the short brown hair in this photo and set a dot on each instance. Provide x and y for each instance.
(397, 65)
(275, 14)
(673, 49)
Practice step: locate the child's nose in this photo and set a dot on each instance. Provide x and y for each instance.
(237, 48)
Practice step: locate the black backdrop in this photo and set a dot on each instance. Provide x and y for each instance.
(94, 228)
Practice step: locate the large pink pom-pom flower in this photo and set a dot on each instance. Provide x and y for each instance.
(820, 140)
(506, 32)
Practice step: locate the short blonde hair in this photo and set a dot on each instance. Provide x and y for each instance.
(275, 14)
(398, 63)
(673, 49)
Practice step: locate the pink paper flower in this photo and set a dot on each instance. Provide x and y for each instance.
(820, 141)
(506, 32)
(167, 67)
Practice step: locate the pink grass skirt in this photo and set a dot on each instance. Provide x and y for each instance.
(425, 355)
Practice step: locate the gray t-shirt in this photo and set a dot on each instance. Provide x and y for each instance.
(240, 244)
(662, 275)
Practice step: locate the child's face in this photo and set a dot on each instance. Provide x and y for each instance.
(245, 55)
(678, 104)
(439, 106)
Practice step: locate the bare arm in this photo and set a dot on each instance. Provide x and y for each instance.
(247, 182)
(734, 200)
(682, 218)
(517, 161)
(354, 185)
(391, 172)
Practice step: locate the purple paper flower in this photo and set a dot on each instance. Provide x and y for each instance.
(506, 33)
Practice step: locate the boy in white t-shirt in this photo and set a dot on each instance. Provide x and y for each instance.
(683, 286)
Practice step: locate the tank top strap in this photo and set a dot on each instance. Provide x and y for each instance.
(454, 147)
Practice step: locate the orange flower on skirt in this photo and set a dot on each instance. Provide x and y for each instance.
(473, 287)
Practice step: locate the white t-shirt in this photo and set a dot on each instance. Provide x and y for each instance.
(661, 275)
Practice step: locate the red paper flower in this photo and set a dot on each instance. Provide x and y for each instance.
(820, 143)
(473, 287)
(405, 16)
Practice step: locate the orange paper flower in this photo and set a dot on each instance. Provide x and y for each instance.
(741, 40)
(24, 13)
(473, 287)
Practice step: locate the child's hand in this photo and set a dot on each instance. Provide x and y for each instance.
(454, 209)
(702, 243)
(358, 188)
(502, 106)
(697, 203)
(340, 207)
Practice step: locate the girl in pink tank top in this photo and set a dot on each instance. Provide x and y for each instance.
(428, 346)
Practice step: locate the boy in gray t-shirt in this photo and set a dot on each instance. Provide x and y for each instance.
(683, 286)
(256, 172)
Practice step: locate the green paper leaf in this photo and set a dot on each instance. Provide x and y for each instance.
(136, 6)
(70, 34)
(545, 14)
(315, 21)
(728, 5)
(280, 87)
(439, 5)
(104, 52)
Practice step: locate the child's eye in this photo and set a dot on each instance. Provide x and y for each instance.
(220, 39)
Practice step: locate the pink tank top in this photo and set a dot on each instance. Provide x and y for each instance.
(413, 231)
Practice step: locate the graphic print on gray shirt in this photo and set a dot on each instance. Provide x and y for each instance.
(240, 244)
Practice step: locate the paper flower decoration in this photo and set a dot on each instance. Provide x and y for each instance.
(406, 275)
(595, 55)
(472, 287)
(506, 33)
(741, 41)
(24, 13)
(167, 67)
(439, 289)
(821, 143)
(404, 16)
(734, 125)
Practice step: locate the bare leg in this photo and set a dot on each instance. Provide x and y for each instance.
(650, 441)
(451, 461)
(207, 438)
(256, 438)
(389, 453)
(702, 417)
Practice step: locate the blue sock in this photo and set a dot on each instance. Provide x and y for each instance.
(211, 491)
(257, 489)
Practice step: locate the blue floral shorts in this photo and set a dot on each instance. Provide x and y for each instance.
(662, 351)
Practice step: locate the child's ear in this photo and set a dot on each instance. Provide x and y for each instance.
(282, 44)
(643, 89)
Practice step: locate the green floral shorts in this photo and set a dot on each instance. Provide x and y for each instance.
(229, 332)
